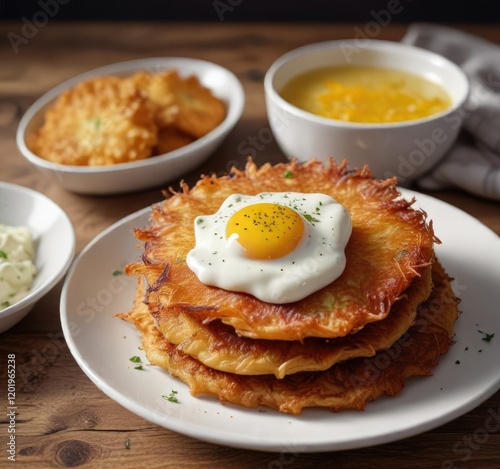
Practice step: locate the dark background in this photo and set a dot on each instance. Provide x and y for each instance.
(443, 11)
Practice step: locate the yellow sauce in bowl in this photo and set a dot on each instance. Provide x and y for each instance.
(366, 94)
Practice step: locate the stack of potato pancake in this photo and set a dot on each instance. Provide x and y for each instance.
(389, 316)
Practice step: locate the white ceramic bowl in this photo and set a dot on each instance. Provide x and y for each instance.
(406, 149)
(151, 172)
(53, 237)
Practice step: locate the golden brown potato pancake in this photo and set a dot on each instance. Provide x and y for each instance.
(110, 119)
(171, 138)
(98, 122)
(348, 385)
(183, 103)
(391, 244)
(217, 346)
(199, 110)
(158, 90)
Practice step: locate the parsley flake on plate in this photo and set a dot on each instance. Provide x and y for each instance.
(172, 397)
(487, 337)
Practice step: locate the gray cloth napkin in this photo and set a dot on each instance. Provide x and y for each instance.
(473, 163)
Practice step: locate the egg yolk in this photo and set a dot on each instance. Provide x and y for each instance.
(266, 230)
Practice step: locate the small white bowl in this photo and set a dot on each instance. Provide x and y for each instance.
(53, 237)
(404, 149)
(151, 172)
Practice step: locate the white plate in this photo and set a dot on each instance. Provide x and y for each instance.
(103, 345)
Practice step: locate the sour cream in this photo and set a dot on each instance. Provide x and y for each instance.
(17, 268)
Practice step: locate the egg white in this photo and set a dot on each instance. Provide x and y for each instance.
(318, 260)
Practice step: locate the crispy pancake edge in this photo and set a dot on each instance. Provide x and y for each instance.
(217, 346)
(349, 385)
(391, 244)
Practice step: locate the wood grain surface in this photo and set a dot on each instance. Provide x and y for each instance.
(63, 419)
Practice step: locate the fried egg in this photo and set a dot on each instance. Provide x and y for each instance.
(277, 246)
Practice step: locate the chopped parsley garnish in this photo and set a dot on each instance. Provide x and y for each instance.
(287, 174)
(310, 218)
(3, 254)
(95, 124)
(487, 337)
(171, 397)
(136, 359)
(5, 304)
(116, 273)
(199, 221)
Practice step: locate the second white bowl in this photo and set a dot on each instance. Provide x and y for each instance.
(53, 239)
(405, 149)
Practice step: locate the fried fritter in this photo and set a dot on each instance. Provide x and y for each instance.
(199, 110)
(109, 119)
(390, 245)
(182, 103)
(217, 346)
(98, 122)
(170, 138)
(160, 94)
(348, 385)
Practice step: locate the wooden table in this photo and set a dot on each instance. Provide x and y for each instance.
(63, 419)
